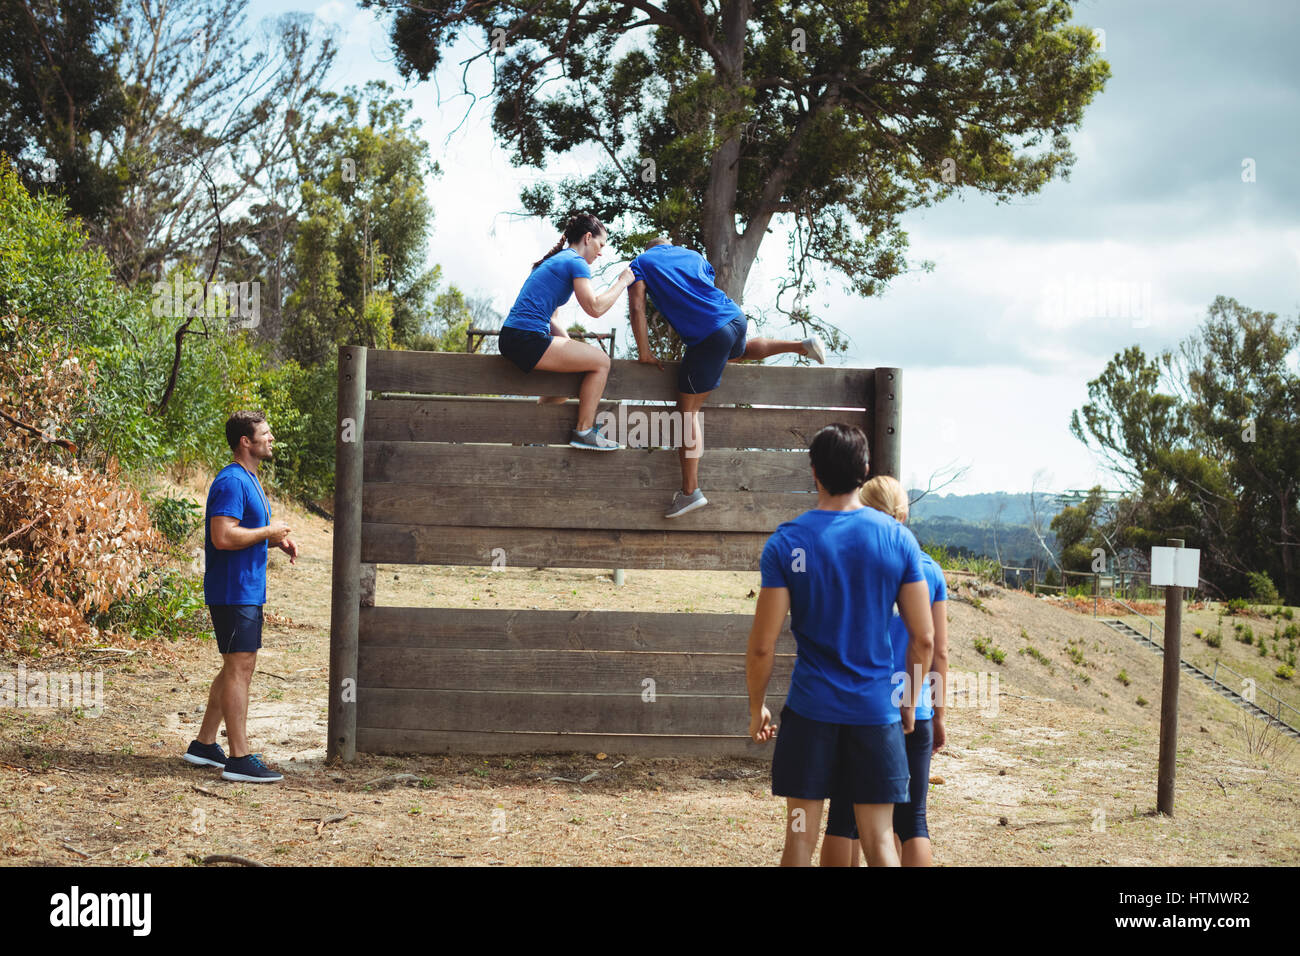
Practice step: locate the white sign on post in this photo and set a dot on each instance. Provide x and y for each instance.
(1175, 567)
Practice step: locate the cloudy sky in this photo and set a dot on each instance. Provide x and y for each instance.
(1027, 301)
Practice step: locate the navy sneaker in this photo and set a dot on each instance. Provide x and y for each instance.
(249, 769)
(205, 755)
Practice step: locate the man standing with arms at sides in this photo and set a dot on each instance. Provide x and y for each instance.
(237, 532)
(713, 327)
(838, 570)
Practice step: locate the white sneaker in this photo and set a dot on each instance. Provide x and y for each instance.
(684, 503)
(814, 349)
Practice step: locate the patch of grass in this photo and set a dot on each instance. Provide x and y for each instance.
(1215, 639)
(986, 649)
(1142, 701)
(1285, 672)
(1039, 656)
(1123, 677)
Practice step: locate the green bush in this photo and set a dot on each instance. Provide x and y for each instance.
(175, 517)
(1123, 677)
(172, 608)
(1286, 672)
(1215, 639)
(1238, 606)
(1262, 589)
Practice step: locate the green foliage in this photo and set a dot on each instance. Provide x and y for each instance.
(1142, 701)
(359, 254)
(1208, 438)
(175, 517)
(1238, 606)
(923, 101)
(1262, 589)
(1285, 672)
(1123, 677)
(1215, 639)
(171, 608)
(1039, 656)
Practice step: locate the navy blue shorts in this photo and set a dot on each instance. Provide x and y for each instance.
(238, 627)
(909, 817)
(814, 760)
(523, 347)
(702, 366)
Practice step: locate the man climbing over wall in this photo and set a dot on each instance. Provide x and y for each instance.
(713, 327)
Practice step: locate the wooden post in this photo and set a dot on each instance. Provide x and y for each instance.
(886, 448)
(1035, 584)
(345, 600)
(1169, 695)
(1096, 592)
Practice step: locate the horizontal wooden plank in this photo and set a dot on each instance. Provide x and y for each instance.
(560, 507)
(613, 672)
(459, 373)
(377, 740)
(562, 548)
(505, 628)
(514, 466)
(520, 421)
(398, 709)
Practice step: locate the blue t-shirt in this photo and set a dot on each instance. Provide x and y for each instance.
(546, 289)
(681, 283)
(899, 637)
(843, 570)
(235, 577)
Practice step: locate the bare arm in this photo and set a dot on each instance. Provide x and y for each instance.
(597, 305)
(939, 611)
(914, 606)
(227, 535)
(769, 615)
(640, 328)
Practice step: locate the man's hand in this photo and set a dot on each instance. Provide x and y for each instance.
(909, 718)
(289, 548)
(761, 727)
(279, 532)
(649, 358)
(940, 735)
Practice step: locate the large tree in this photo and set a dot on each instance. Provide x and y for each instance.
(1207, 437)
(59, 96)
(720, 120)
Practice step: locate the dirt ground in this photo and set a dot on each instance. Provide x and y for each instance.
(1061, 771)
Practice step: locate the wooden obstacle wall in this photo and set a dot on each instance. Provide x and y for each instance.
(433, 468)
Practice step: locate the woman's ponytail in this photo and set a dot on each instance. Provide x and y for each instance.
(577, 226)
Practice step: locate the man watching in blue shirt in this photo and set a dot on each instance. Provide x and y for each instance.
(838, 570)
(237, 532)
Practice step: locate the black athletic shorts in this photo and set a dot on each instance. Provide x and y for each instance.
(814, 760)
(523, 347)
(909, 818)
(238, 627)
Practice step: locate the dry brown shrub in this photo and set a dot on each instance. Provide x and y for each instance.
(72, 540)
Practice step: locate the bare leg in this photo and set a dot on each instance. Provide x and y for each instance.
(840, 851)
(803, 822)
(213, 714)
(234, 699)
(916, 852)
(566, 355)
(876, 830)
(692, 439)
(761, 348)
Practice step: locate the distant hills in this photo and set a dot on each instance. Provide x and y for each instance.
(965, 524)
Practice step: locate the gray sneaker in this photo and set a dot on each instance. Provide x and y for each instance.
(592, 439)
(684, 503)
(814, 348)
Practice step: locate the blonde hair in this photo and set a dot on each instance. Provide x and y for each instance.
(885, 493)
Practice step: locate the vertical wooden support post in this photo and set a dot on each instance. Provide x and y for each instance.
(345, 600)
(1169, 695)
(1035, 584)
(886, 445)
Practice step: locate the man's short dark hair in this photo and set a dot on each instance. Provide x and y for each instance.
(658, 241)
(839, 457)
(242, 424)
